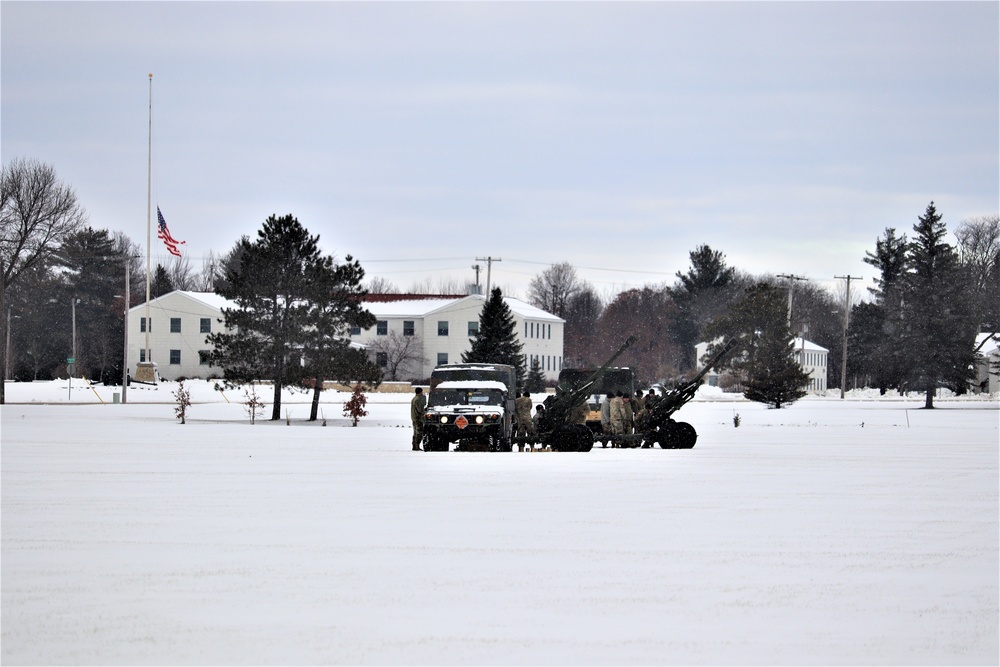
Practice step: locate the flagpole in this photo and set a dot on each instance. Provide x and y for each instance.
(149, 210)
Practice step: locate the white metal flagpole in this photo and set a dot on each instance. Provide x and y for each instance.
(149, 210)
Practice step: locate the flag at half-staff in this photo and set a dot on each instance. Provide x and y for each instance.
(164, 235)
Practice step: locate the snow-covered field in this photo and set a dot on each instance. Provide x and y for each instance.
(848, 532)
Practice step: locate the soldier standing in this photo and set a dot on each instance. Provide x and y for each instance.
(417, 405)
(539, 416)
(628, 414)
(605, 420)
(617, 414)
(522, 413)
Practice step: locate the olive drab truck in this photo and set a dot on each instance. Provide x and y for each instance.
(471, 405)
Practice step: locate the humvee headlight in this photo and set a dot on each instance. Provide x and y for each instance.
(444, 419)
(479, 419)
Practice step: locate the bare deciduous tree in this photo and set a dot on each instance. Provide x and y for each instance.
(979, 250)
(36, 213)
(181, 274)
(552, 289)
(401, 353)
(378, 285)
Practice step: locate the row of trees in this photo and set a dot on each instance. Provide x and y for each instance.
(929, 303)
(917, 332)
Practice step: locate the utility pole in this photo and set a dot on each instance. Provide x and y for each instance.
(477, 269)
(489, 269)
(791, 290)
(128, 266)
(847, 319)
(71, 362)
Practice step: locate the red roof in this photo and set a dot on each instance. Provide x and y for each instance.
(389, 298)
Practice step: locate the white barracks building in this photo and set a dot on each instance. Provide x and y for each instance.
(440, 327)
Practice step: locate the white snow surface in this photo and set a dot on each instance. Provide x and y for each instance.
(860, 531)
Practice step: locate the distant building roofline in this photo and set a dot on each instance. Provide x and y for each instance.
(390, 298)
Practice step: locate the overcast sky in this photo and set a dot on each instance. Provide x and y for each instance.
(420, 136)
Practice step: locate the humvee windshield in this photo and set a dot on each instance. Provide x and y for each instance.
(477, 396)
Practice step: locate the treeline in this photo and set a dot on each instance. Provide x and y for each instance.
(915, 329)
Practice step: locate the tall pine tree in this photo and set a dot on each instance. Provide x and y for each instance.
(765, 359)
(876, 327)
(335, 293)
(701, 294)
(939, 322)
(496, 342)
(270, 285)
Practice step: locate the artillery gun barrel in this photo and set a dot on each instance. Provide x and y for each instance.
(674, 400)
(577, 393)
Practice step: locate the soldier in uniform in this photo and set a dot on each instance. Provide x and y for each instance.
(417, 406)
(522, 414)
(617, 414)
(605, 419)
(539, 416)
(628, 414)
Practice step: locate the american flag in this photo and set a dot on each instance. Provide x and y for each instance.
(164, 235)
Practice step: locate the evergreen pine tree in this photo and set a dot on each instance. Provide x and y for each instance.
(336, 295)
(496, 342)
(765, 359)
(700, 294)
(939, 323)
(536, 379)
(270, 285)
(876, 328)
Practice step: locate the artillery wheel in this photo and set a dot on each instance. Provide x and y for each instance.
(687, 435)
(668, 436)
(565, 439)
(585, 438)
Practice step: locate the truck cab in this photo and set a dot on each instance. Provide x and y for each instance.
(471, 405)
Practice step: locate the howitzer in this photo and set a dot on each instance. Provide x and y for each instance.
(658, 424)
(559, 429)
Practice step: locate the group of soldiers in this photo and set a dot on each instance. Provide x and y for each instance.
(622, 414)
(526, 424)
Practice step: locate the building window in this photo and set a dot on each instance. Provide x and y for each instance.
(532, 329)
(525, 329)
(175, 357)
(382, 359)
(142, 355)
(142, 324)
(203, 357)
(473, 329)
(206, 325)
(443, 328)
(442, 358)
(408, 328)
(355, 331)
(175, 325)
(381, 328)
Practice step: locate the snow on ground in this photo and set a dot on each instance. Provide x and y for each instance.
(847, 532)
